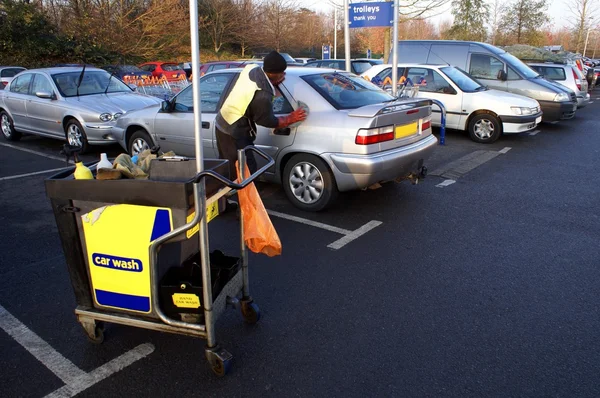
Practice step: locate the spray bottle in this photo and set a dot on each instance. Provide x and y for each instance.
(81, 171)
(104, 163)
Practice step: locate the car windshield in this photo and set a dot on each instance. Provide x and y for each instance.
(93, 82)
(171, 67)
(347, 91)
(465, 82)
(519, 66)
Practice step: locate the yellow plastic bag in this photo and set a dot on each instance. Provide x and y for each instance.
(259, 234)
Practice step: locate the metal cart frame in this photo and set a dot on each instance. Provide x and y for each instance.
(220, 360)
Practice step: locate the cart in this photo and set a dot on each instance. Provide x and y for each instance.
(123, 238)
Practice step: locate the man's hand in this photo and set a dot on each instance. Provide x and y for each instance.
(298, 115)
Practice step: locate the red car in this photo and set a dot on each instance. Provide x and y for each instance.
(170, 70)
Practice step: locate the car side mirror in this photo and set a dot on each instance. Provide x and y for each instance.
(501, 75)
(44, 94)
(165, 106)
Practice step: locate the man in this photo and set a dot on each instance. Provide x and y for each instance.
(250, 103)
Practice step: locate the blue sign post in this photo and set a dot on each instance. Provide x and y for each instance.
(369, 53)
(326, 52)
(369, 15)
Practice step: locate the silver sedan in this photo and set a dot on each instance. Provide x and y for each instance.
(355, 136)
(68, 103)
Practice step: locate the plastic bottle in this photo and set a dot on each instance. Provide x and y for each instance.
(82, 172)
(104, 163)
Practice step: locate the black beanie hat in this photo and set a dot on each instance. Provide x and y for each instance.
(274, 62)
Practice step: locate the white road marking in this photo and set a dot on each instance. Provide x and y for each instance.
(33, 174)
(535, 132)
(445, 183)
(76, 380)
(357, 233)
(310, 222)
(591, 102)
(505, 149)
(89, 379)
(18, 148)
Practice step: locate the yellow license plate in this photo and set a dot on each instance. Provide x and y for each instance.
(406, 130)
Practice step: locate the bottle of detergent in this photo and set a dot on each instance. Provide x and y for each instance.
(82, 172)
(104, 163)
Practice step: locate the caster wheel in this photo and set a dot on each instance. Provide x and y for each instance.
(221, 367)
(98, 337)
(250, 312)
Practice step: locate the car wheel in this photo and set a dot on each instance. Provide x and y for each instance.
(308, 183)
(139, 142)
(485, 128)
(8, 129)
(76, 135)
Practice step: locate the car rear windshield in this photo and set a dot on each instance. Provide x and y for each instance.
(130, 68)
(361, 66)
(171, 67)
(10, 72)
(556, 73)
(93, 82)
(346, 91)
(465, 82)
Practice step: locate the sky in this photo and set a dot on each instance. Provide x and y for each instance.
(558, 11)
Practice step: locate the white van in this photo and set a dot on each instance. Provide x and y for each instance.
(485, 114)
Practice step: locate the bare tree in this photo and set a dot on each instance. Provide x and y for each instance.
(218, 19)
(246, 31)
(276, 22)
(582, 12)
(496, 10)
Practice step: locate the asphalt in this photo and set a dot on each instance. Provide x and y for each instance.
(484, 288)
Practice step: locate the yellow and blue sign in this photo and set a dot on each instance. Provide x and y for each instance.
(117, 239)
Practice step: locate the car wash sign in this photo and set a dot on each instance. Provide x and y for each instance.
(370, 15)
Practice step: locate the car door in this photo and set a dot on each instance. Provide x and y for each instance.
(44, 114)
(174, 130)
(435, 86)
(485, 68)
(270, 140)
(16, 100)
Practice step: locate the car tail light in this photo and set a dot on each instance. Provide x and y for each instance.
(374, 135)
(577, 81)
(426, 125)
(4, 84)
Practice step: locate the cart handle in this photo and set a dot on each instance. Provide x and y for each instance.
(244, 183)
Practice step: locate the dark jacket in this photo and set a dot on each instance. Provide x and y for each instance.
(249, 103)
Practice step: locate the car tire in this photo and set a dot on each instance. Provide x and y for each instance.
(76, 136)
(485, 128)
(8, 128)
(308, 183)
(139, 141)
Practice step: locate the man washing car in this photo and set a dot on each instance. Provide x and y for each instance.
(250, 103)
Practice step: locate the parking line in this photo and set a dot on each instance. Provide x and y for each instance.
(35, 152)
(33, 174)
(75, 379)
(505, 149)
(310, 222)
(357, 233)
(445, 183)
(535, 132)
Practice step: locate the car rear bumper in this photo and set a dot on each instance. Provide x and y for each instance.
(583, 101)
(353, 171)
(554, 111)
(520, 124)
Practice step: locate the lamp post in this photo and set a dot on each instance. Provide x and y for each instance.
(587, 36)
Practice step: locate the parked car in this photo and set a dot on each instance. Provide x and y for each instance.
(495, 68)
(288, 58)
(356, 67)
(212, 66)
(187, 67)
(127, 71)
(567, 75)
(486, 114)
(304, 60)
(372, 61)
(67, 103)
(169, 70)
(355, 135)
(7, 73)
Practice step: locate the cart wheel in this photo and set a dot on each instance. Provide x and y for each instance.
(250, 312)
(98, 337)
(221, 367)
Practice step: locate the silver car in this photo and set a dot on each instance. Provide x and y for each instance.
(567, 75)
(356, 135)
(7, 73)
(71, 104)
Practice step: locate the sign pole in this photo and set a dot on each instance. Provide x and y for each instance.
(335, 32)
(347, 33)
(395, 49)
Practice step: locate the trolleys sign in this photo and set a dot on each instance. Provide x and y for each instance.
(369, 15)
